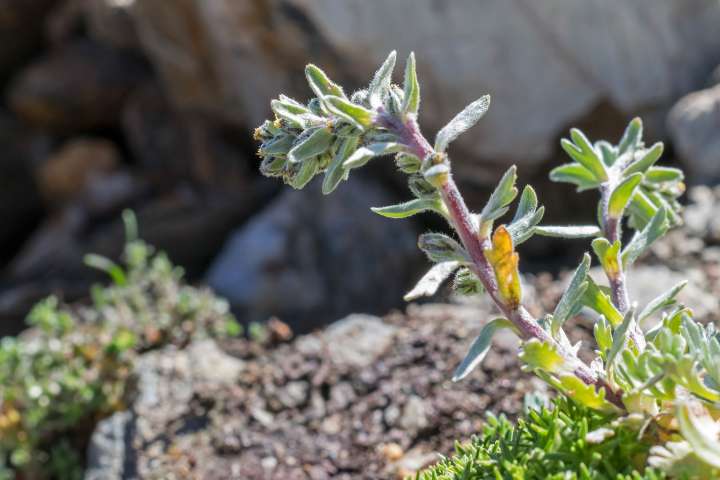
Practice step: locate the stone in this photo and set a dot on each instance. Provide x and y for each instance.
(109, 448)
(357, 340)
(308, 260)
(80, 85)
(693, 127)
(21, 31)
(110, 22)
(70, 170)
(414, 415)
(228, 58)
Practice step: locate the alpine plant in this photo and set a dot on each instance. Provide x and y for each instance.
(664, 380)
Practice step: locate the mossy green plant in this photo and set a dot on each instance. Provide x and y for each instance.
(75, 365)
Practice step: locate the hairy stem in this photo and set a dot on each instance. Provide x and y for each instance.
(618, 287)
(466, 228)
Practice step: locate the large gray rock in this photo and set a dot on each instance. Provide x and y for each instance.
(547, 64)
(310, 259)
(694, 126)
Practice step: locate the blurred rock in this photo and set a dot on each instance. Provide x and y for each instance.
(228, 58)
(171, 145)
(694, 126)
(77, 164)
(110, 22)
(81, 85)
(701, 218)
(357, 340)
(21, 31)
(309, 260)
(20, 201)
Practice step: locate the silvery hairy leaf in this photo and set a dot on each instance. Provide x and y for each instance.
(441, 248)
(663, 301)
(336, 171)
(320, 84)
(642, 240)
(380, 84)
(576, 174)
(314, 144)
(410, 208)
(411, 101)
(480, 347)
(646, 160)
(622, 194)
(580, 231)
(573, 295)
(582, 151)
(502, 196)
(462, 122)
(364, 154)
(431, 281)
(527, 216)
(356, 115)
(631, 137)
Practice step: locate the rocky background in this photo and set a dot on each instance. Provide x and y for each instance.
(149, 105)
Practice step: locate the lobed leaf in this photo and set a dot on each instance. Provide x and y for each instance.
(583, 152)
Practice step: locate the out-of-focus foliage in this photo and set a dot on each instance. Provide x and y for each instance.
(75, 365)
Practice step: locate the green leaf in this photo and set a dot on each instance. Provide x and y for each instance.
(430, 282)
(642, 240)
(526, 217)
(315, 144)
(608, 255)
(364, 154)
(572, 296)
(542, 356)
(441, 248)
(461, 123)
(603, 334)
(357, 115)
(641, 165)
(480, 347)
(599, 301)
(504, 193)
(279, 145)
(664, 174)
(585, 395)
(336, 171)
(408, 209)
(576, 174)
(623, 193)
(665, 300)
(411, 100)
(467, 283)
(320, 84)
(620, 335)
(631, 137)
(380, 84)
(701, 434)
(104, 264)
(583, 152)
(308, 169)
(580, 231)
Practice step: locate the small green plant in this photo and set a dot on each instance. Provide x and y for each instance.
(58, 379)
(665, 380)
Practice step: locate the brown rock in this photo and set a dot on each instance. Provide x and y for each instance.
(21, 30)
(70, 170)
(79, 86)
